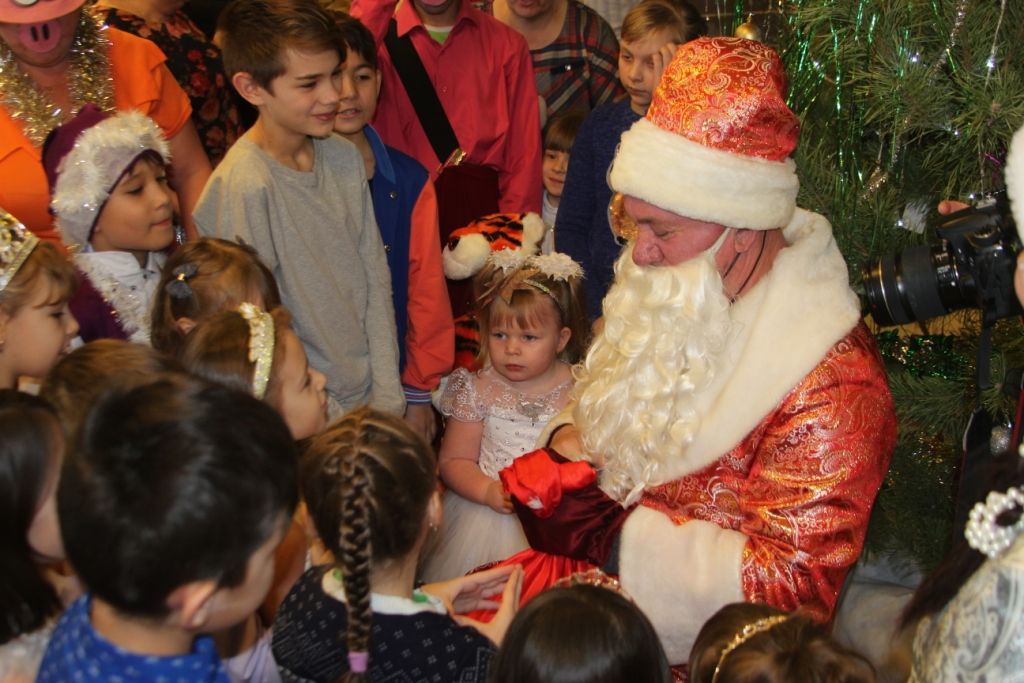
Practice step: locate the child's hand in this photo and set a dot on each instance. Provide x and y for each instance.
(497, 498)
(662, 58)
(496, 628)
(472, 592)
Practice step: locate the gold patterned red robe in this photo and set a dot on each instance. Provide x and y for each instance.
(770, 502)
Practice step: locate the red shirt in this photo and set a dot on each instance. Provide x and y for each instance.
(483, 76)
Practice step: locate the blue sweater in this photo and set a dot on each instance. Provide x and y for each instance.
(582, 229)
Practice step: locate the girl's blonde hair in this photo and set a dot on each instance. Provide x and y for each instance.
(679, 17)
(367, 482)
(205, 277)
(44, 261)
(778, 647)
(529, 305)
(217, 349)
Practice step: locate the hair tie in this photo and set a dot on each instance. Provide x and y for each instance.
(745, 634)
(357, 662)
(16, 243)
(178, 287)
(261, 345)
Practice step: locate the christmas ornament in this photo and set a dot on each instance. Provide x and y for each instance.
(748, 30)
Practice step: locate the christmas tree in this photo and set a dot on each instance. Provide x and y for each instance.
(904, 103)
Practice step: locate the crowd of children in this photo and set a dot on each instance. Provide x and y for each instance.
(227, 473)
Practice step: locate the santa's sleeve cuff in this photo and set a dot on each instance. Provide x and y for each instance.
(679, 575)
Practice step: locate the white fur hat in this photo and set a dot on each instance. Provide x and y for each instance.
(85, 158)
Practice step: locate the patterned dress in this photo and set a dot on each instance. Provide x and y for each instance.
(474, 534)
(410, 640)
(197, 66)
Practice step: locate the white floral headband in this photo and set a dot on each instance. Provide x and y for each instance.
(520, 270)
(261, 345)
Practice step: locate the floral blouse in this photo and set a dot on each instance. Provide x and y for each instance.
(197, 66)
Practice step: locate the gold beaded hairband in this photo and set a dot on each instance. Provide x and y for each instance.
(261, 345)
(745, 634)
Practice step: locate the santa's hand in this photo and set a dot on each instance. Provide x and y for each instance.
(561, 508)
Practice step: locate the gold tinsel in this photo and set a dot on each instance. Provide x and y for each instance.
(89, 80)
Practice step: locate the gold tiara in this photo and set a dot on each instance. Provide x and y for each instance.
(16, 243)
(261, 345)
(748, 632)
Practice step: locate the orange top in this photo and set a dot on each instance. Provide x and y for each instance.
(141, 81)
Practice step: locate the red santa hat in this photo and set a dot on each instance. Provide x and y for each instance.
(716, 141)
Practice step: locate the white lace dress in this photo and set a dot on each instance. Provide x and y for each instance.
(473, 534)
(979, 636)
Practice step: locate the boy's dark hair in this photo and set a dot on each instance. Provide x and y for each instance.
(355, 37)
(611, 641)
(367, 481)
(560, 131)
(31, 434)
(170, 482)
(796, 649)
(255, 33)
(214, 275)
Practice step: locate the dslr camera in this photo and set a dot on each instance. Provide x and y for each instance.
(970, 266)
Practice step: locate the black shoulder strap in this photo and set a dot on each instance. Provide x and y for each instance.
(424, 100)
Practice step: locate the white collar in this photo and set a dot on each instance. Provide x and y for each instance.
(384, 604)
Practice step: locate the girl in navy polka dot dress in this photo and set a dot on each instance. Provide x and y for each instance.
(370, 485)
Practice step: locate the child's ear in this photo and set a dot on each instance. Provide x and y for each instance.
(379, 80)
(435, 511)
(184, 325)
(251, 91)
(192, 603)
(563, 338)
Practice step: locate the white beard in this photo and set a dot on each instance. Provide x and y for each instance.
(664, 329)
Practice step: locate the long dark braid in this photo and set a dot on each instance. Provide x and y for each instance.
(367, 481)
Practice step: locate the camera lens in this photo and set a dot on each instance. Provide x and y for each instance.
(909, 286)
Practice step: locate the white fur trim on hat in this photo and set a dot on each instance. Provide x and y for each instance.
(687, 178)
(1014, 177)
(92, 168)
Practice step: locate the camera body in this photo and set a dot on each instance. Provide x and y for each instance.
(971, 266)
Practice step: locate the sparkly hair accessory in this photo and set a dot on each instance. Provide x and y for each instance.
(358, 661)
(179, 288)
(16, 243)
(557, 266)
(261, 345)
(508, 260)
(745, 634)
(85, 158)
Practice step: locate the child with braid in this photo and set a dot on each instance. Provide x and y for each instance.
(370, 485)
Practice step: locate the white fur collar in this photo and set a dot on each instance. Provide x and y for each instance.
(783, 329)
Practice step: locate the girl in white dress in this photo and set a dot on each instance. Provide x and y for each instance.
(532, 328)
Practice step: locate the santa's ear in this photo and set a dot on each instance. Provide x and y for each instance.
(743, 240)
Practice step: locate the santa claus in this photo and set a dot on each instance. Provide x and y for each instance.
(734, 403)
